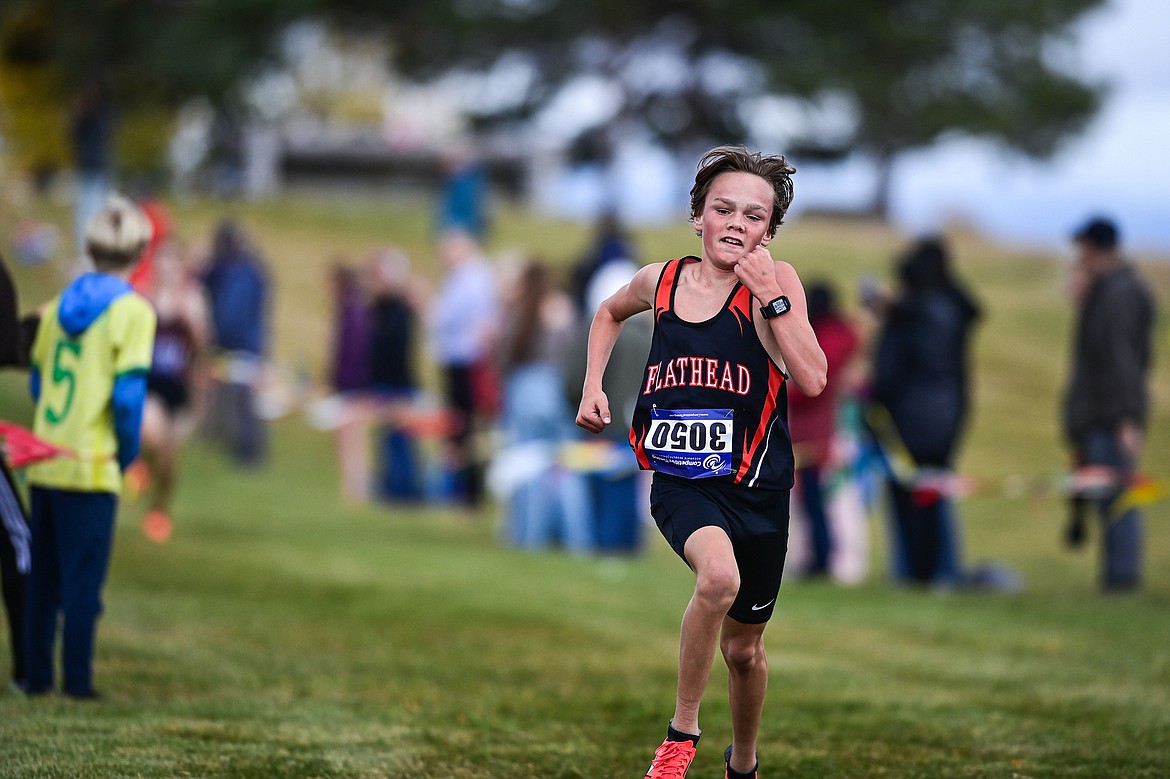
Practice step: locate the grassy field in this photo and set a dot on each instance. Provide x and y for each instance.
(281, 634)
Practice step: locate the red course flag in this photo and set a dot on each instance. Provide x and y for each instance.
(23, 448)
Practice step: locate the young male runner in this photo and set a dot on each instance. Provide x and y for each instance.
(730, 329)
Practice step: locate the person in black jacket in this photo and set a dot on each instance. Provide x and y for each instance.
(921, 378)
(1106, 403)
(239, 294)
(393, 325)
(14, 540)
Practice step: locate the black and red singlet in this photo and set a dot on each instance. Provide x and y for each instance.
(713, 404)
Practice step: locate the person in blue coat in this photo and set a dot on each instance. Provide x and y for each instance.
(238, 295)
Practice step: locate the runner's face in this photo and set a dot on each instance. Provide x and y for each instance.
(735, 217)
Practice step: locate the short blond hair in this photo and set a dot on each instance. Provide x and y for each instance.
(116, 236)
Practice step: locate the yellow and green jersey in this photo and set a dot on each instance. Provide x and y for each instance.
(90, 336)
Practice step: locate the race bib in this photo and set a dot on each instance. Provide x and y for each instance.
(694, 443)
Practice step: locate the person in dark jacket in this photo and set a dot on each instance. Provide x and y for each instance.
(15, 559)
(610, 244)
(237, 291)
(91, 134)
(1107, 401)
(393, 321)
(921, 379)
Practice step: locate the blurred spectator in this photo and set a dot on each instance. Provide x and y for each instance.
(614, 478)
(225, 159)
(349, 368)
(10, 346)
(921, 378)
(14, 540)
(35, 242)
(180, 341)
(545, 502)
(1107, 401)
(161, 228)
(373, 374)
(463, 196)
(610, 244)
(90, 359)
(464, 324)
(812, 422)
(91, 132)
(349, 378)
(237, 290)
(395, 302)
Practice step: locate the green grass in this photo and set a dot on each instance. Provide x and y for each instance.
(280, 634)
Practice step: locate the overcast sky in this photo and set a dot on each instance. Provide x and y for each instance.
(1119, 167)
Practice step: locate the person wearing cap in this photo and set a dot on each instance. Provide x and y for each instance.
(88, 377)
(1106, 403)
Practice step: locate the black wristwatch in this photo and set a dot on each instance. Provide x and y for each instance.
(778, 307)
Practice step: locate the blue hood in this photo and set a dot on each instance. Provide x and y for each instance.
(85, 299)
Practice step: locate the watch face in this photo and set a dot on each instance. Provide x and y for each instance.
(775, 308)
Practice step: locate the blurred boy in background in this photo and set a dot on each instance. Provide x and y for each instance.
(89, 364)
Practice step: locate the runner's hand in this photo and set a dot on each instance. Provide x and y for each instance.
(757, 271)
(1131, 439)
(593, 415)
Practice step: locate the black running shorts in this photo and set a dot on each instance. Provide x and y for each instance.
(173, 393)
(755, 520)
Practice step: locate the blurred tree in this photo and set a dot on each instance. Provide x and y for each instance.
(906, 71)
(916, 70)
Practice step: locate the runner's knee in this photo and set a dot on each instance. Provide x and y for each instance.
(742, 653)
(718, 585)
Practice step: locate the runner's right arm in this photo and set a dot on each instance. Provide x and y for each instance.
(633, 298)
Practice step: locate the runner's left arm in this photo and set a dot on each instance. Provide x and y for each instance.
(793, 336)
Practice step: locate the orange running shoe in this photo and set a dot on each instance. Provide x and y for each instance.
(671, 760)
(156, 526)
(136, 479)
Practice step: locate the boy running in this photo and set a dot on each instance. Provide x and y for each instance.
(731, 328)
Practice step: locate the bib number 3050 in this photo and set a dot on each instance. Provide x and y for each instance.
(693, 443)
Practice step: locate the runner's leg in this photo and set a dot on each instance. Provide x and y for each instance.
(747, 666)
(710, 554)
